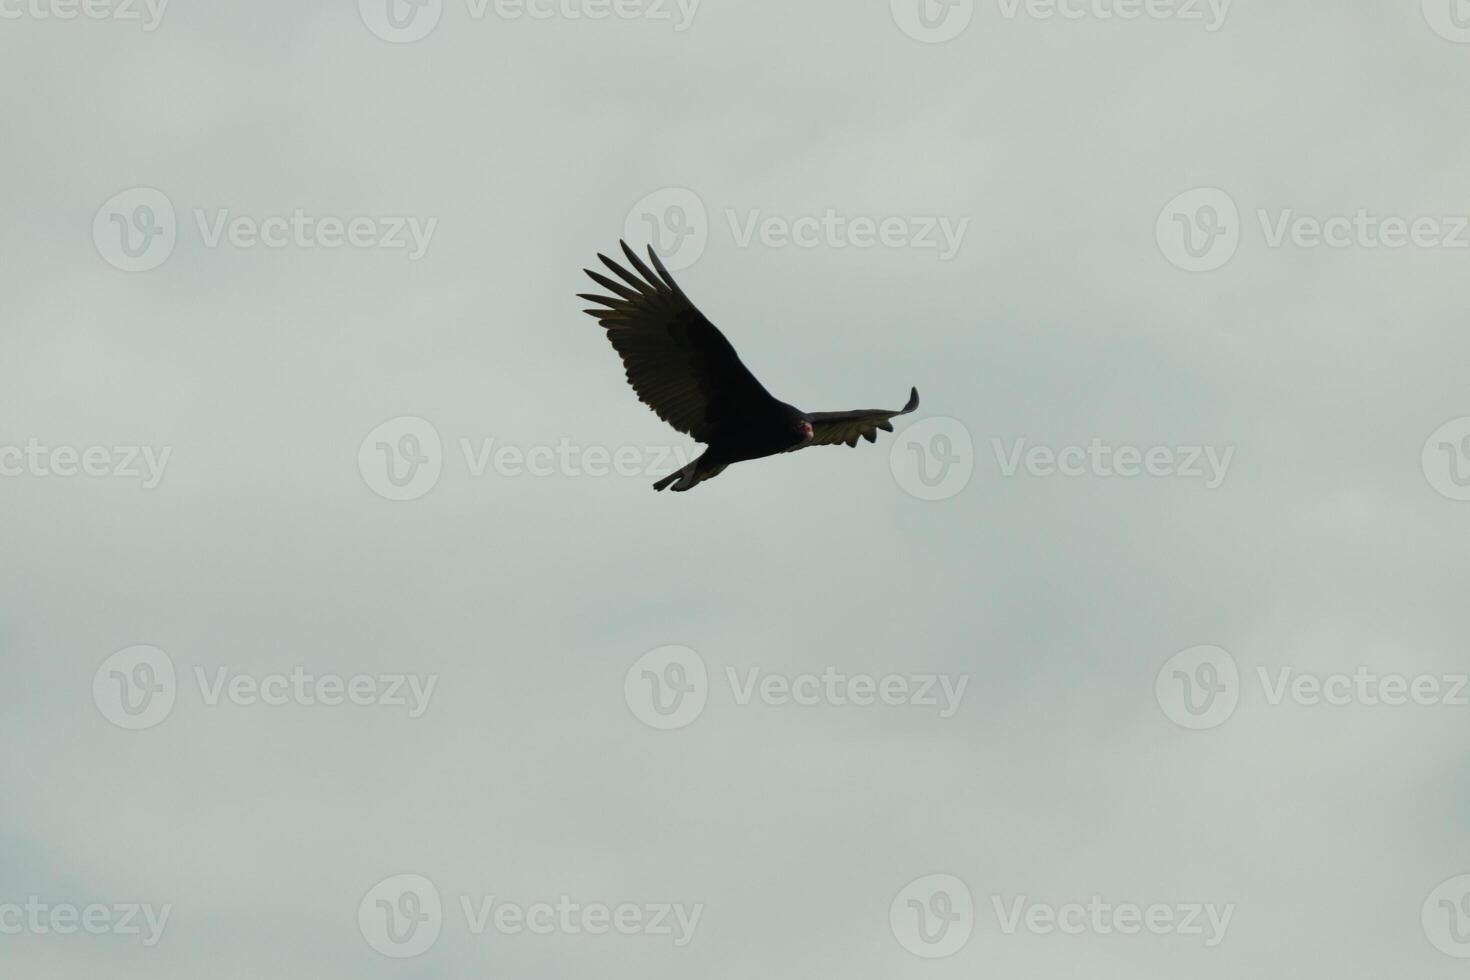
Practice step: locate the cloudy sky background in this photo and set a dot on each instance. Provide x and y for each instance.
(1061, 319)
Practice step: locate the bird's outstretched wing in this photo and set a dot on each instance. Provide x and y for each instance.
(838, 428)
(678, 363)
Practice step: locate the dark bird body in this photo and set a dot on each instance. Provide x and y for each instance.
(682, 367)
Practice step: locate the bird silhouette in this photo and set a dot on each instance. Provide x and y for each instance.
(683, 368)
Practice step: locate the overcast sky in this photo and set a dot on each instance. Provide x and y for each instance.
(345, 637)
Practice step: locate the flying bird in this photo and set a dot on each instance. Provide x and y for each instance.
(682, 367)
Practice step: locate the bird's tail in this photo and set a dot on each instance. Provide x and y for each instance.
(663, 484)
(689, 476)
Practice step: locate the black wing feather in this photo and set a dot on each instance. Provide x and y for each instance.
(677, 362)
(846, 428)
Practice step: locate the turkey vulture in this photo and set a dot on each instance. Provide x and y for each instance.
(683, 368)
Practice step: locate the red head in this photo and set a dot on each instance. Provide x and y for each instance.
(805, 428)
